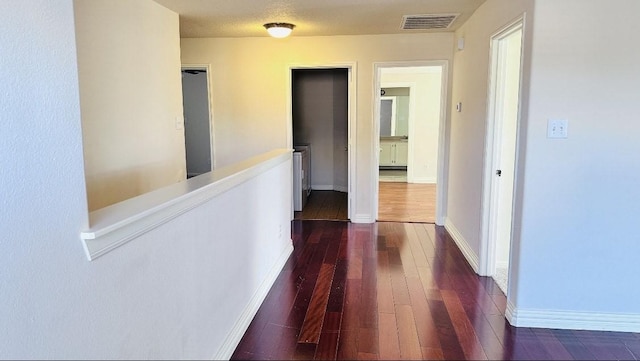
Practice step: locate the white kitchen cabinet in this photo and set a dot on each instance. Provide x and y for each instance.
(393, 153)
(386, 151)
(301, 176)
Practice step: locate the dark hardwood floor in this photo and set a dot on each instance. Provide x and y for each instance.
(399, 291)
(325, 205)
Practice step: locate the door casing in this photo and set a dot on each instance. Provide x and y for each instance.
(493, 140)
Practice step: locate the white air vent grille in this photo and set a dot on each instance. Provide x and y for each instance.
(427, 22)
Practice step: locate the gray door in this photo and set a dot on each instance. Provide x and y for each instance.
(386, 112)
(197, 132)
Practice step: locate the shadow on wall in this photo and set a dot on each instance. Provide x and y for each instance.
(105, 189)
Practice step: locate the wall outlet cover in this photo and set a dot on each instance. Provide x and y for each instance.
(557, 128)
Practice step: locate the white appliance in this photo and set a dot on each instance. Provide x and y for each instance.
(301, 176)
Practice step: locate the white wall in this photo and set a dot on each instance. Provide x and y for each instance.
(250, 79)
(582, 190)
(574, 247)
(174, 292)
(425, 127)
(130, 97)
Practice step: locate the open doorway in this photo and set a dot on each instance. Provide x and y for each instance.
(501, 150)
(197, 120)
(320, 132)
(410, 112)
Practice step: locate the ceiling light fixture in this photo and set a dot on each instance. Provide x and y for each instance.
(279, 30)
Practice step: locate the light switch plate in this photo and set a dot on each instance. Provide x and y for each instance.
(179, 122)
(557, 128)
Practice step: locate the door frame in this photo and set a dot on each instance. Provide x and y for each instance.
(441, 188)
(351, 123)
(490, 185)
(207, 69)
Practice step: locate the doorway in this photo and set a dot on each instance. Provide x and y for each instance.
(320, 129)
(501, 150)
(409, 157)
(197, 120)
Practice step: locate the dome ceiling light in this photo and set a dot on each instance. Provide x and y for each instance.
(279, 30)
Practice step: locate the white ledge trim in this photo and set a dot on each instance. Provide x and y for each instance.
(115, 225)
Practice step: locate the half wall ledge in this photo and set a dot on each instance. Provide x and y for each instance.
(117, 224)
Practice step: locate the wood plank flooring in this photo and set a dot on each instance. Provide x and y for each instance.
(325, 205)
(397, 202)
(407, 202)
(399, 291)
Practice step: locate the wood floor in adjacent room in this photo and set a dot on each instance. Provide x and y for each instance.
(399, 291)
(407, 202)
(397, 202)
(325, 205)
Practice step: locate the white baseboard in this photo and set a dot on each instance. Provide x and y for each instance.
(363, 218)
(322, 187)
(573, 320)
(424, 180)
(509, 312)
(462, 244)
(342, 189)
(242, 324)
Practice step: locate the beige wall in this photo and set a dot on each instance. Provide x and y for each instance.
(130, 94)
(250, 88)
(468, 127)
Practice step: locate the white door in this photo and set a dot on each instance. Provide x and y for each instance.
(502, 135)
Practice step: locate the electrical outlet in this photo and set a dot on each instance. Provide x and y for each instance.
(557, 128)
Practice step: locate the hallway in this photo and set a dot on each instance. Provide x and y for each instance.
(399, 291)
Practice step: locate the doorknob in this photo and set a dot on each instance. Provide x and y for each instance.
(499, 173)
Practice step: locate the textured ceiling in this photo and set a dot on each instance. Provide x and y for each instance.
(241, 18)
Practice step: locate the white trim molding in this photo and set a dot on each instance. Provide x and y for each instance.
(462, 244)
(244, 321)
(574, 320)
(363, 218)
(341, 189)
(122, 222)
(424, 180)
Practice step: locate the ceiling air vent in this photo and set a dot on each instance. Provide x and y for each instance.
(427, 22)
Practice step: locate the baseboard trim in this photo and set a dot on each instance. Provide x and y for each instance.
(242, 324)
(331, 187)
(363, 218)
(424, 180)
(509, 312)
(321, 187)
(462, 244)
(593, 321)
(341, 189)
